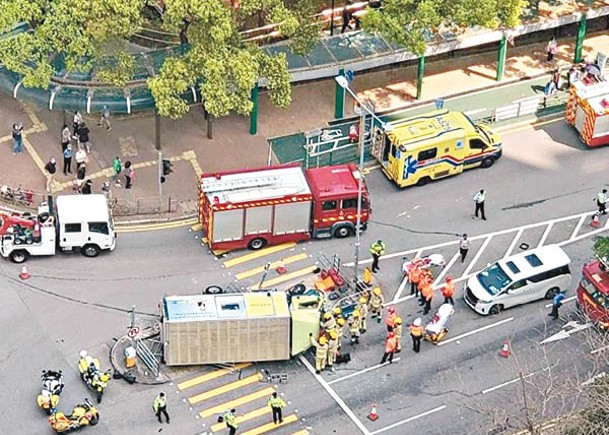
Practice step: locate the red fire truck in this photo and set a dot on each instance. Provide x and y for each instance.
(278, 204)
(593, 292)
(588, 111)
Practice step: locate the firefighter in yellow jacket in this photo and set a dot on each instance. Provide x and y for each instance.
(376, 304)
(363, 312)
(328, 322)
(321, 352)
(354, 326)
(398, 328)
(332, 347)
(340, 327)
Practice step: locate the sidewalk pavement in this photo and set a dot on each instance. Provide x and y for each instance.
(185, 141)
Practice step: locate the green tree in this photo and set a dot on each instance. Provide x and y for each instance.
(601, 248)
(411, 23)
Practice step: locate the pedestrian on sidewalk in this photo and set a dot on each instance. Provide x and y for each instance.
(117, 165)
(448, 290)
(50, 169)
(276, 403)
(391, 344)
(230, 418)
(377, 249)
(67, 159)
(66, 137)
(129, 174)
(104, 119)
(159, 406)
(416, 332)
(81, 173)
(83, 137)
(347, 16)
(76, 121)
(80, 157)
(551, 49)
(556, 77)
(479, 199)
(556, 304)
(17, 138)
(601, 201)
(464, 244)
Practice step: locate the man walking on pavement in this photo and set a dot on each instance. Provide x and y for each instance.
(50, 169)
(601, 201)
(159, 406)
(464, 244)
(231, 421)
(321, 353)
(391, 345)
(276, 403)
(17, 139)
(448, 290)
(556, 304)
(416, 332)
(479, 199)
(376, 249)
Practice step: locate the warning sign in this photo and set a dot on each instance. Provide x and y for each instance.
(133, 332)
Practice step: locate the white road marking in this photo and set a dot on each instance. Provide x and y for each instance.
(513, 244)
(444, 271)
(475, 331)
(564, 301)
(600, 349)
(472, 263)
(408, 420)
(361, 372)
(545, 234)
(569, 329)
(583, 236)
(578, 227)
(496, 387)
(401, 288)
(335, 396)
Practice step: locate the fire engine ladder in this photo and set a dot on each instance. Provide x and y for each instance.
(209, 185)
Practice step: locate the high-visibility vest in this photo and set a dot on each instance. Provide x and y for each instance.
(414, 274)
(390, 320)
(601, 198)
(416, 331)
(277, 402)
(354, 324)
(427, 290)
(377, 248)
(376, 301)
(448, 290)
(159, 403)
(391, 343)
(231, 420)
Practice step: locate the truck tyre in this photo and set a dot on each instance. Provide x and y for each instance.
(257, 243)
(487, 162)
(19, 256)
(213, 290)
(423, 181)
(297, 289)
(342, 232)
(90, 251)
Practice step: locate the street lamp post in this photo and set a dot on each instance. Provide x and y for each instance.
(344, 83)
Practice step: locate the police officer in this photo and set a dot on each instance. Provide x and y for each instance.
(479, 199)
(231, 421)
(276, 403)
(159, 406)
(601, 201)
(376, 249)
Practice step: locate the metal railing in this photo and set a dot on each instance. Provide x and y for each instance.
(147, 356)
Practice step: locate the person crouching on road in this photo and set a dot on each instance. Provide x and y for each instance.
(398, 329)
(159, 406)
(377, 300)
(448, 290)
(363, 312)
(321, 352)
(355, 326)
(416, 332)
(391, 344)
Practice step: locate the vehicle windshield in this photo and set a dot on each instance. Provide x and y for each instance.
(479, 130)
(493, 279)
(601, 299)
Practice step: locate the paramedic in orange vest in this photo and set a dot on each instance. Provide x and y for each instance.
(448, 290)
(414, 275)
(391, 344)
(416, 332)
(390, 320)
(424, 280)
(428, 292)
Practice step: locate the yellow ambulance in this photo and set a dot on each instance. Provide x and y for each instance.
(432, 146)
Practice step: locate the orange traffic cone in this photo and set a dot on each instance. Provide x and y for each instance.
(373, 416)
(24, 273)
(505, 350)
(595, 223)
(281, 268)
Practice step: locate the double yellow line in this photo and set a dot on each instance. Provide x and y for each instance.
(155, 226)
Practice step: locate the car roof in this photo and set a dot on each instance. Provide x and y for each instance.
(535, 261)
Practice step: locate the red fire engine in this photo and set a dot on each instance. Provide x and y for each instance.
(269, 206)
(588, 112)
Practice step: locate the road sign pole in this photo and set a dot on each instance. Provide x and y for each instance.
(501, 57)
(132, 313)
(420, 72)
(339, 99)
(579, 42)
(254, 114)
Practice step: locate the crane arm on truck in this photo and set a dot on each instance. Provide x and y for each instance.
(9, 221)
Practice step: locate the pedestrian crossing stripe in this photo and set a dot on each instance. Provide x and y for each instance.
(258, 254)
(284, 278)
(224, 407)
(225, 388)
(301, 432)
(211, 376)
(292, 418)
(241, 418)
(273, 266)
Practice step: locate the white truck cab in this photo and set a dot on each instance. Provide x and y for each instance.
(80, 223)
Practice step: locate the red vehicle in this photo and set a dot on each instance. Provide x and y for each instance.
(268, 206)
(593, 292)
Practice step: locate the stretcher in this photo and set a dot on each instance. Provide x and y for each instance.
(436, 329)
(435, 262)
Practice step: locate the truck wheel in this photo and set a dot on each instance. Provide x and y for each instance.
(213, 290)
(90, 251)
(487, 162)
(297, 289)
(256, 244)
(342, 232)
(19, 256)
(423, 181)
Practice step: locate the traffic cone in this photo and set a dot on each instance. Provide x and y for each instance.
(595, 223)
(24, 273)
(281, 268)
(373, 416)
(505, 350)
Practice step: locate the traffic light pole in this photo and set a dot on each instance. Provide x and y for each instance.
(159, 179)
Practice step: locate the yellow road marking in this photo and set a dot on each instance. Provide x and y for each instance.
(284, 278)
(196, 227)
(301, 432)
(152, 227)
(512, 128)
(226, 406)
(240, 419)
(273, 266)
(30, 149)
(211, 376)
(270, 426)
(225, 389)
(258, 254)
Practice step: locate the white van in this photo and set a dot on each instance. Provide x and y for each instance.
(521, 278)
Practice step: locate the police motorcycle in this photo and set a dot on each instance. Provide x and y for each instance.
(84, 414)
(91, 374)
(52, 386)
(435, 262)
(436, 329)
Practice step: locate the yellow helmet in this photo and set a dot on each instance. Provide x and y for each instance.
(356, 313)
(333, 335)
(377, 291)
(323, 340)
(363, 300)
(398, 321)
(327, 316)
(336, 311)
(341, 321)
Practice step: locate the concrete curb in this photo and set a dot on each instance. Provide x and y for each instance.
(156, 220)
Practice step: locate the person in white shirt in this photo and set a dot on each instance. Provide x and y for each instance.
(479, 199)
(464, 244)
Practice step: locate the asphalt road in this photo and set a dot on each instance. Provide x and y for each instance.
(73, 303)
